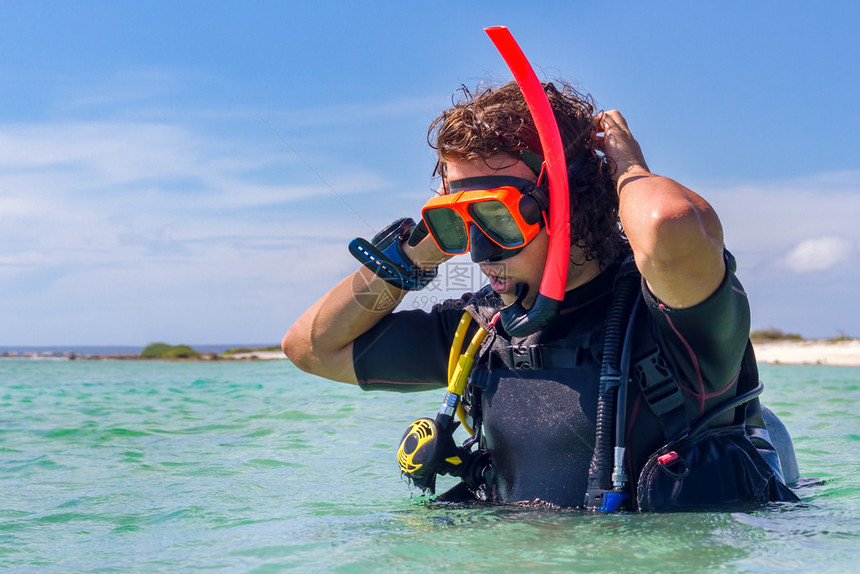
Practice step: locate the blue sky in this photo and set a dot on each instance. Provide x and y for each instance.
(191, 172)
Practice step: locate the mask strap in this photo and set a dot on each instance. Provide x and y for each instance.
(532, 160)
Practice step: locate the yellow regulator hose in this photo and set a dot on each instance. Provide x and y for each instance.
(460, 367)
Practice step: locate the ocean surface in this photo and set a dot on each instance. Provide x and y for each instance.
(132, 466)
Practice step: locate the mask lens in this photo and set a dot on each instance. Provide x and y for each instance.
(496, 221)
(448, 228)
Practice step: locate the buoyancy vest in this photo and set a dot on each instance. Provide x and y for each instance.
(536, 398)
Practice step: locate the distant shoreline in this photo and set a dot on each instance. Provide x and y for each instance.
(134, 354)
(839, 352)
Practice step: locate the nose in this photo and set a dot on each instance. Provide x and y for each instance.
(483, 249)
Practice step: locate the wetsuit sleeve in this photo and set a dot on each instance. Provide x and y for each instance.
(408, 350)
(705, 343)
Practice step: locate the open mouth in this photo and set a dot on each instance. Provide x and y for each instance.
(499, 282)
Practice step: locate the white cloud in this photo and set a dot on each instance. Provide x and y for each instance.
(819, 254)
(766, 220)
(113, 219)
(120, 209)
(74, 184)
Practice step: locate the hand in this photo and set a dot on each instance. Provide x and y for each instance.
(425, 255)
(619, 145)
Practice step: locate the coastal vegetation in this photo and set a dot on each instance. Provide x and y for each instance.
(772, 335)
(165, 351)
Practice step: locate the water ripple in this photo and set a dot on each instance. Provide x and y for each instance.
(132, 466)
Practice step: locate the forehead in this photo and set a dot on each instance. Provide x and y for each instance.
(498, 165)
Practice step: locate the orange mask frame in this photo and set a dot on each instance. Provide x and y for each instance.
(508, 210)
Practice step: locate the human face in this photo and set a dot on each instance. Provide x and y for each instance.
(527, 265)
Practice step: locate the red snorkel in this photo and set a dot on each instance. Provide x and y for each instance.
(515, 319)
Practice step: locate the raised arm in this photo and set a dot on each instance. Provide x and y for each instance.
(676, 236)
(320, 341)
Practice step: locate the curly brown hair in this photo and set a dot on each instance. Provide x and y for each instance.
(494, 121)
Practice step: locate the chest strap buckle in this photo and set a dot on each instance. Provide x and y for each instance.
(525, 358)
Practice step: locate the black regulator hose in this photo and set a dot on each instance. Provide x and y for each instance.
(599, 476)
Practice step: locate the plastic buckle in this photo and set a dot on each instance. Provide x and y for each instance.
(658, 384)
(526, 358)
(667, 458)
(673, 465)
(613, 501)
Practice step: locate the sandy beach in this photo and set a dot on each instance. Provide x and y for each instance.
(258, 355)
(812, 352)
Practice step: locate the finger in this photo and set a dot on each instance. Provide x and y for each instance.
(617, 119)
(606, 122)
(597, 130)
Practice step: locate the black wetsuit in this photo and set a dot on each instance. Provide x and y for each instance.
(539, 406)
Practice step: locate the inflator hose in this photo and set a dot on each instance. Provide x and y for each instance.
(610, 377)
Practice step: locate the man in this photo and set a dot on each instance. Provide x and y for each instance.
(535, 397)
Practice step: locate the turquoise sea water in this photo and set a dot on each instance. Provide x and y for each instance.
(117, 466)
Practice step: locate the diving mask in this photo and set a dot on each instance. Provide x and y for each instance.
(506, 210)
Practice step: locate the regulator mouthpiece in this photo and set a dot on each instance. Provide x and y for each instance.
(425, 451)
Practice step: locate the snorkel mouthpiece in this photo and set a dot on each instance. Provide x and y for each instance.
(515, 319)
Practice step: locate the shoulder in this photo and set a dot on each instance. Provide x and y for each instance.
(707, 340)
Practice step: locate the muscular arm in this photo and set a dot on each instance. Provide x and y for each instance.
(676, 236)
(321, 340)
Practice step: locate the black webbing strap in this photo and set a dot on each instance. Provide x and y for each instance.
(661, 391)
(531, 357)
